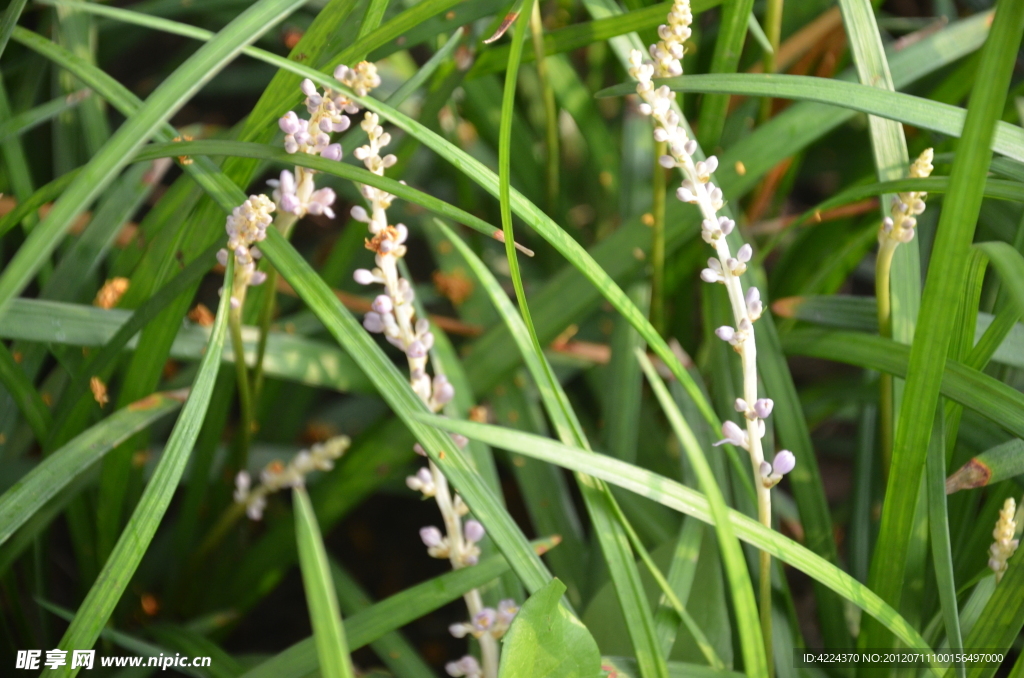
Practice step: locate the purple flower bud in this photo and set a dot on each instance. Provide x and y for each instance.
(784, 462)
(507, 610)
(711, 163)
(416, 350)
(308, 88)
(690, 147)
(362, 276)
(257, 278)
(684, 194)
(373, 323)
(725, 333)
(484, 619)
(458, 630)
(382, 304)
(766, 469)
(460, 440)
(332, 152)
(431, 536)
(341, 72)
(418, 449)
(222, 257)
(887, 225)
(667, 161)
(474, 531)
(468, 666)
(733, 435)
(763, 407)
(726, 224)
(289, 123)
(359, 214)
(745, 253)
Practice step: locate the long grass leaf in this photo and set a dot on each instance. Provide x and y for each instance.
(906, 108)
(99, 603)
(991, 398)
(392, 613)
(397, 393)
(742, 591)
(681, 498)
(31, 404)
(170, 96)
(938, 525)
(9, 21)
(947, 269)
(321, 599)
(63, 466)
(732, 33)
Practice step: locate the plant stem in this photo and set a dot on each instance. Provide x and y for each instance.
(284, 223)
(241, 452)
(764, 514)
(658, 241)
(883, 269)
(773, 31)
(550, 108)
(227, 519)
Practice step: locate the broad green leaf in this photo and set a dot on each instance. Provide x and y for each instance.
(321, 599)
(63, 466)
(545, 641)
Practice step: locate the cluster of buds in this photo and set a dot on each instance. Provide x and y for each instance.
(467, 667)
(724, 268)
(246, 225)
(277, 476)
(393, 315)
(668, 52)
(899, 227)
(1004, 545)
(294, 193)
(490, 621)
(461, 550)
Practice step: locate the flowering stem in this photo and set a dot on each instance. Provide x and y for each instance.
(658, 241)
(883, 270)
(241, 452)
(227, 519)
(285, 221)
